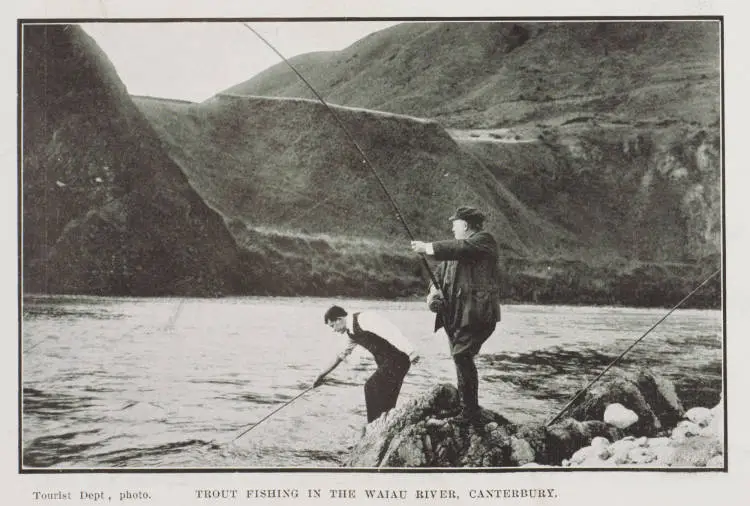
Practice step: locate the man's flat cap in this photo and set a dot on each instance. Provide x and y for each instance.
(468, 214)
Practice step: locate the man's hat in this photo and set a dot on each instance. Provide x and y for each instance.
(468, 214)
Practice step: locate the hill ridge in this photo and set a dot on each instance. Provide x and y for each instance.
(411, 68)
(316, 101)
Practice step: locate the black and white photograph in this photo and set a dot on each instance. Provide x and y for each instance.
(393, 245)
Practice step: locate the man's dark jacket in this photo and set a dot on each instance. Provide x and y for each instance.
(469, 281)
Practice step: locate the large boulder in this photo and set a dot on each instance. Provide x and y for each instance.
(422, 433)
(661, 396)
(651, 397)
(566, 437)
(700, 416)
(618, 415)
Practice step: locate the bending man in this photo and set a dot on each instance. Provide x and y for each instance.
(393, 354)
(470, 311)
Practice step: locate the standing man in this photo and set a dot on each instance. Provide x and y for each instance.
(393, 355)
(467, 301)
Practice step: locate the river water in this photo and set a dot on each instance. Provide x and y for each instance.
(169, 383)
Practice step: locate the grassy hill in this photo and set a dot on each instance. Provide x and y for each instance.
(485, 75)
(285, 164)
(617, 123)
(608, 132)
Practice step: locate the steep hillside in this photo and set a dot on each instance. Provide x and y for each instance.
(105, 209)
(477, 75)
(609, 131)
(648, 193)
(285, 164)
(312, 220)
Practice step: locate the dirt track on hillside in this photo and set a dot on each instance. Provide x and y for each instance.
(499, 135)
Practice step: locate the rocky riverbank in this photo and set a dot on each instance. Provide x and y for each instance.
(630, 420)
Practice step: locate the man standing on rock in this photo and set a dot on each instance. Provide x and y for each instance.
(467, 301)
(393, 355)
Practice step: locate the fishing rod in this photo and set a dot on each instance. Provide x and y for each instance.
(583, 390)
(365, 159)
(287, 403)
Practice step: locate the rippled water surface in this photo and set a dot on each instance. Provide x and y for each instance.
(169, 383)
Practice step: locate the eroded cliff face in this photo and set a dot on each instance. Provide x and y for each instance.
(651, 193)
(105, 209)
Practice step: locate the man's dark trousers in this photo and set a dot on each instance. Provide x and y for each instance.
(383, 387)
(467, 378)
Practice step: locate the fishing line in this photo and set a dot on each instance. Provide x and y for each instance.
(365, 160)
(584, 389)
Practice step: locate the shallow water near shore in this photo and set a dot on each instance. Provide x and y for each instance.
(169, 383)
